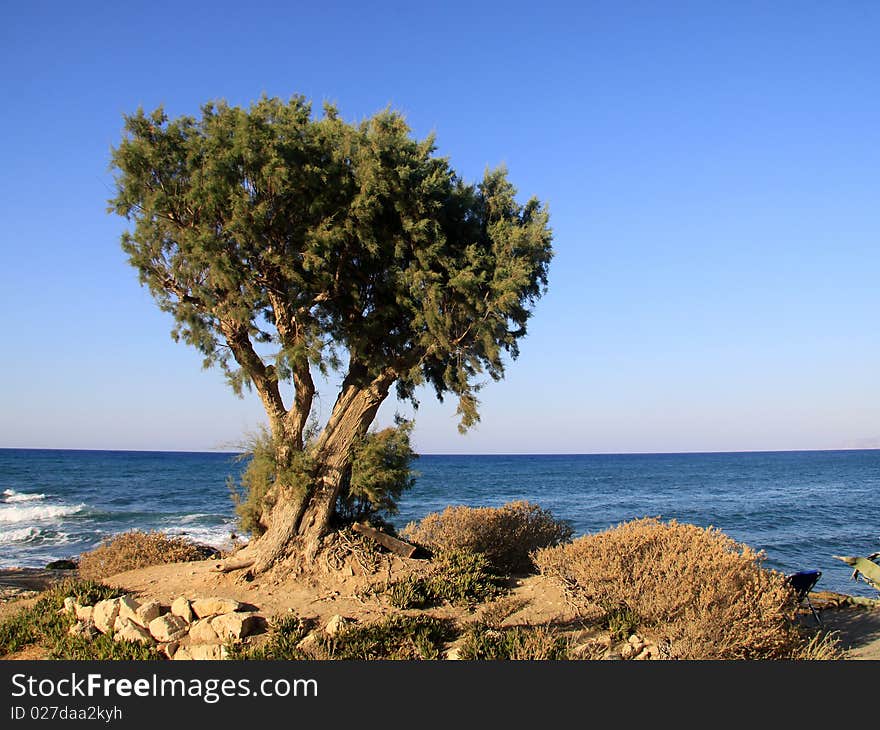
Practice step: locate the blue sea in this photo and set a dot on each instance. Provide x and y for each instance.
(800, 508)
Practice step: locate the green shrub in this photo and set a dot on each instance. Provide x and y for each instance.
(47, 625)
(518, 643)
(136, 549)
(397, 637)
(506, 535)
(704, 595)
(284, 634)
(457, 576)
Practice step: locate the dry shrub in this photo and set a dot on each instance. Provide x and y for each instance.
(505, 535)
(136, 549)
(704, 595)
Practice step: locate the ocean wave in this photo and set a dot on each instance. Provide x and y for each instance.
(12, 496)
(36, 514)
(217, 537)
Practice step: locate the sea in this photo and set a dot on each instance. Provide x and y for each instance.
(800, 508)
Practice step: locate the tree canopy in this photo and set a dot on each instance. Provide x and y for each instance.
(343, 245)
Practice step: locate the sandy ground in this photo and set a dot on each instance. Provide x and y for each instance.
(352, 591)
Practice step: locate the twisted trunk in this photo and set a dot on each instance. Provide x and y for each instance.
(297, 523)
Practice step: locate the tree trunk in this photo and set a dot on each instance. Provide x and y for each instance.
(298, 524)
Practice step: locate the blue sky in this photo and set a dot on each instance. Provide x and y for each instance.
(711, 171)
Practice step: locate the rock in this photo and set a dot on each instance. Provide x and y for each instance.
(128, 607)
(207, 652)
(130, 631)
(453, 654)
(204, 607)
(335, 623)
(70, 605)
(181, 607)
(168, 648)
(84, 629)
(636, 642)
(201, 632)
(310, 644)
(168, 627)
(83, 613)
(182, 654)
(627, 651)
(234, 625)
(148, 611)
(104, 614)
(61, 565)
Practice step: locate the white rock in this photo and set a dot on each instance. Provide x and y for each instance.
(70, 605)
(204, 607)
(168, 627)
(130, 631)
(309, 644)
(105, 614)
(82, 628)
(181, 607)
(168, 648)
(147, 612)
(128, 607)
(182, 654)
(207, 652)
(335, 624)
(201, 632)
(234, 625)
(83, 613)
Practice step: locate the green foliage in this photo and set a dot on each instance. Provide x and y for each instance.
(380, 473)
(622, 622)
(397, 637)
(46, 624)
(254, 496)
(517, 643)
(459, 577)
(285, 632)
(267, 227)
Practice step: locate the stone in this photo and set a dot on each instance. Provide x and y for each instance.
(61, 565)
(627, 651)
(181, 607)
(182, 654)
(201, 632)
(147, 612)
(104, 614)
(69, 605)
(453, 654)
(168, 627)
(83, 613)
(234, 625)
(130, 631)
(335, 624)
(204, 607)
(207, 652)
(85, 629)
(310, 644)
(168, 648)
(128, 607)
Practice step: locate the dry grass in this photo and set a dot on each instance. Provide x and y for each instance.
(505, 535)
(704, 595)
(136, 549)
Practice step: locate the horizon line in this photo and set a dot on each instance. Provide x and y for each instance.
(437, 453)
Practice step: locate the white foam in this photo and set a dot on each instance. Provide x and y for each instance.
(22, 534)
(36, 514)
(13, 496)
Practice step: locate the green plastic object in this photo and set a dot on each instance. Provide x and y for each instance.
(864, 567)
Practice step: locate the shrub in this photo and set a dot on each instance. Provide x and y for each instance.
(136, 549)
(518, 643)
(704, 595)
(505, 535)
(462, 578)
(396, 637)
(46, 624)
(285, 633)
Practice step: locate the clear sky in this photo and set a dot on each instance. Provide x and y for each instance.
(711, 170)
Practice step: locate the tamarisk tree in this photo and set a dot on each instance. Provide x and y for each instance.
(287, 245)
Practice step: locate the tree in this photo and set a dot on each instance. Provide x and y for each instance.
(286, 245)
